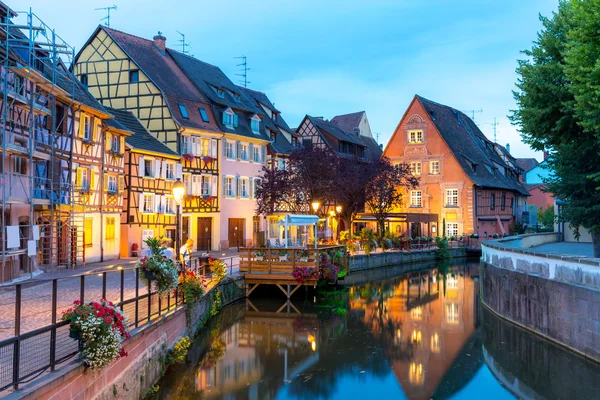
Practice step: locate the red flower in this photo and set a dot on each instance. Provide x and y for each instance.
(108, 320)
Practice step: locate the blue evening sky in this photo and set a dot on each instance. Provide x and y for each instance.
(331, 57)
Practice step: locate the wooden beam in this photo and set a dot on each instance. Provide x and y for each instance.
(252, 289)
(283, 290)
(296, 288)
(283, 306)
(294, 307)
(249, 303)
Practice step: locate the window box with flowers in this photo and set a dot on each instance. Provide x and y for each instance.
(188, 157)
(100, 328)
(208, 159)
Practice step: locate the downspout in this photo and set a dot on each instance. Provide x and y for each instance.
(102, 151)
(475, 220)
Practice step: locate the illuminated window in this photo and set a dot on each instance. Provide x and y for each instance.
(415, 168)
(416, 198)
(451, 197)
(416, 375)
(416, 337)
(148, 205)
(87, 231)
(417, 313)
(435, 343)
(205, 147)
(452, 229)
(434, 168)
(452, 313)
(415, 136)
(110, 228)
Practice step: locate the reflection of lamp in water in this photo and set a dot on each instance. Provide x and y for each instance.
(313, 342)
(435, 343)
(415, 373)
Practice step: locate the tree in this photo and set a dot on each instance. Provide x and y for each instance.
(276, 192)
(315, 174)
(384, 191)
(353, 175)
(545, 217)
(556, 114)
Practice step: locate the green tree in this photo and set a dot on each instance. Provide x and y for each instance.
(545, 218)
(550, 115)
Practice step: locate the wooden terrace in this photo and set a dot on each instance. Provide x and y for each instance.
(274, 266)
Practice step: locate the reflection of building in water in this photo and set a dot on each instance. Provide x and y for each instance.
(430, 316)
(238, 358)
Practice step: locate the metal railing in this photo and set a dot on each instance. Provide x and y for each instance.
(34, 340)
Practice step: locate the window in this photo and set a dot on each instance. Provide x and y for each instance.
(451, 229)
(84, 178)
(183, 111)
(219, 92)
(256, 155)
(87, 127)
(281, 163)
(185, 145)
(115, 143)
(244, 187)
(205, 185)
(20, 165)
(169, 205)
(149, 168)
(134, 76)
(434, 168)
(148, 205)
(415, 168)
(244, 151)
(110, 228)
(307, 143)
(170, 171)
(236, 97)
(416, 198)
(294, 141)
(415, 136)
(273, 137)
(452, 198)
(88, 225)
(112, 184)
(203, 114)
(503, 201)
(205, 147)
(255, 125)
(229, 186)
(230, 149)
(228, 119)
(187, 182)
(493, 201)
(84, 79)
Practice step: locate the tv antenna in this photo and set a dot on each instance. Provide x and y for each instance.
(244, 71)
(184, 45)
(107, 18)
(494, 125)
(377, 136)
(472, 113)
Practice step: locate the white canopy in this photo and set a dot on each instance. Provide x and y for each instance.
(299, 220)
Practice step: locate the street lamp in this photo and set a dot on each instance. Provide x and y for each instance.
(338, 209)
(178, 193)
(315, 206)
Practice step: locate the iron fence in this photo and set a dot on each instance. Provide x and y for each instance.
(34, 339)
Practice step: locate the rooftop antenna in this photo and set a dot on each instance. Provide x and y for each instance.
(494, 125)
(472, 113)
(377, 136)
(244, 71)
(107, 9)
(184, 45)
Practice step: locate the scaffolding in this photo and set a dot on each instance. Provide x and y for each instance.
(38, 109)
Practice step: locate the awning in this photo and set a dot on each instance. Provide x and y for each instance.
(299, 220)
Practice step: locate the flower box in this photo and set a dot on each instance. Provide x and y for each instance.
(303, 259)
(283, 258)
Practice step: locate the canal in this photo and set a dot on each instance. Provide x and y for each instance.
(417, 334)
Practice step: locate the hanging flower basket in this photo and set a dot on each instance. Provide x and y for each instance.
(188, 157)
(158, 268)
(100, 327)
(149, 275)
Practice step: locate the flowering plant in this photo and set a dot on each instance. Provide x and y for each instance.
(328, 271)
(188, 157)
(101, 327)
(159, 268)
(218, 268)
(303, 274)
(207, 159)
(193, 286)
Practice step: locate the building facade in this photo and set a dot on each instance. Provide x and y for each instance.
(468, 184)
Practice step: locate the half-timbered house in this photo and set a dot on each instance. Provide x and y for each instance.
(127, 72)
(468, 184)
(151, 168)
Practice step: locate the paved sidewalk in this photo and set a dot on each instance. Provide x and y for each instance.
(566, 249)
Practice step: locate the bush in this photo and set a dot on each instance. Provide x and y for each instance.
(386, 244)
(344, 235)
(179, 351)
(443, 250)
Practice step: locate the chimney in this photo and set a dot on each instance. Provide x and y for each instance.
(357, 131)
(508, 148)
(546, 155)
(160, 41)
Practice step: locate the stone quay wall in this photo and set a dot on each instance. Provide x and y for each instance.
(557, 297)
(130, 377)
(390, 258)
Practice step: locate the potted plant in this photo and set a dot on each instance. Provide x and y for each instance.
(475, 235)
(282, 255)
(495, 236)
(460, 238)
(193, 286)
(218, 269)
(260, 255)
(303, 255)
(452, 238)
(101, 328)
(158, 268)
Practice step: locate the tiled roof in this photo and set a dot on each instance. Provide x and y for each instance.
(260, 97)
(526, 163)
(141, 138)
(348, 122)
(471, 147)
(334, 130)
(373, 150)
(170, 79)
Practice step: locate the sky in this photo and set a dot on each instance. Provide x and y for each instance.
(331, 57)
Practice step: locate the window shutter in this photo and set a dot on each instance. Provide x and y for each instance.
(195, 185)
(214, 185)
(79, 177)
(94, 128)
(122, 145)
(237, 187)
(81, 125)
(263, 151)
(156, 202)
(214, 148)
(163, 204)
(107, 141)
(224, 144)
(250, 188)
(163, 170)
(156, 168)
(251, 151)
(224, 119)
(235, 120)
(141, 204)
(121, 186)
(141, 171)
(105, 183)
(238, 150)
(178, 171)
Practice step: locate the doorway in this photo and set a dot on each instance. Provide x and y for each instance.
(185, 230)
(204, 233)
(415, 229)
(236, 232)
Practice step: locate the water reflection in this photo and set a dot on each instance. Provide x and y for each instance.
(415, 336)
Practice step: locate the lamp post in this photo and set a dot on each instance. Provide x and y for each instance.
(315, 206)
(178, 193)
(338, 210)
